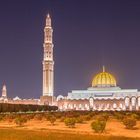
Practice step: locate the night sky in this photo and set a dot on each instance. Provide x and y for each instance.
(87, 35)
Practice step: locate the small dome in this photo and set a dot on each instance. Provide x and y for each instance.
(104, 79)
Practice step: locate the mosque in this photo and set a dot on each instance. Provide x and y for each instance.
(103, 95)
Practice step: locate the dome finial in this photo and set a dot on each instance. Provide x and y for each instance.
(103, 68)
(48, 15)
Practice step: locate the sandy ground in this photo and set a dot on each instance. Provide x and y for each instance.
(113, 127)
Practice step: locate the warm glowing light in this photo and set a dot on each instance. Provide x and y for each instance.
(104, 79)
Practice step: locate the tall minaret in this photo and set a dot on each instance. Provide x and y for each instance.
(4, 91)
(48, 63)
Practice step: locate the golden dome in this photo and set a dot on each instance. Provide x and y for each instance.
(104, 79)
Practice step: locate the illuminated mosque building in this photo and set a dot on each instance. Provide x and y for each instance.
(104, 94)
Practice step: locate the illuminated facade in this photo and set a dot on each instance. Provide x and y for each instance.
(103, 95)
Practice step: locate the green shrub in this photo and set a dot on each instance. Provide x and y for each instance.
(129, 122)
(135, 116)
(79, 119)
(20, 121)
(70, 122)
(7, 107)
(98, 126)
(52, 120)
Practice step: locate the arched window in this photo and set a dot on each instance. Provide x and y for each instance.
(74, 105)
(121, 106)
(127, 101)
(114, 105)
(65, 106)
(133, 101)
(86, 106)
(91, 102)
(108, 106)
(80, 106)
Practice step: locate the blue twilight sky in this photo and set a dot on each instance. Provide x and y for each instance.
(87, 35)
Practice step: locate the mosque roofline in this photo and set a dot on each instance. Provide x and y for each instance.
(104, 91)
(97, 98)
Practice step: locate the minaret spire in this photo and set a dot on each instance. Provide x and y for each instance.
(48, 62)
(103, 68)
(48, 15)
(4, 91)
(48, 20)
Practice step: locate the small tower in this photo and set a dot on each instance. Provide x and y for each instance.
(4, 91)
